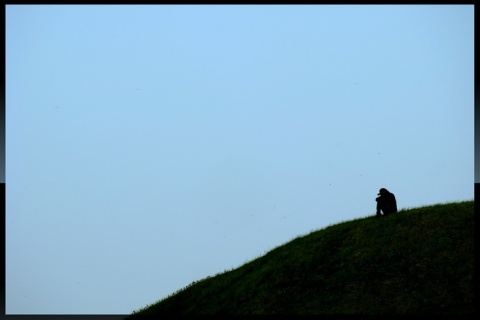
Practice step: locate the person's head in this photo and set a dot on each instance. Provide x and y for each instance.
(382, 191)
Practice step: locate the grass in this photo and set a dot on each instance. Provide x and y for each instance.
(417, 261)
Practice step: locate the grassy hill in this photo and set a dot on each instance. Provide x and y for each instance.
(417, 261)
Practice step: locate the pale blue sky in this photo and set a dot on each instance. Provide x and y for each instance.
(148, 147)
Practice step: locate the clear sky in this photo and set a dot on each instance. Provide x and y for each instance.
(148, 147)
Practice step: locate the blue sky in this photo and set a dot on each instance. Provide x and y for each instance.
(148, 147)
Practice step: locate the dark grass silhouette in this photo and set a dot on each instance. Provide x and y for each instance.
(416, 261)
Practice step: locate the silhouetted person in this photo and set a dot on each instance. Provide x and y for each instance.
(386, 203)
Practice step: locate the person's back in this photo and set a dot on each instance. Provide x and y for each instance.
(386, 203)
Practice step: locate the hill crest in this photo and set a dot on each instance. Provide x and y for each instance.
(417, 261)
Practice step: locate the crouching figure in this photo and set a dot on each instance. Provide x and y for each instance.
(386, 203)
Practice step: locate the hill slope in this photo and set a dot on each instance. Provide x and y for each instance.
(417, 261)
